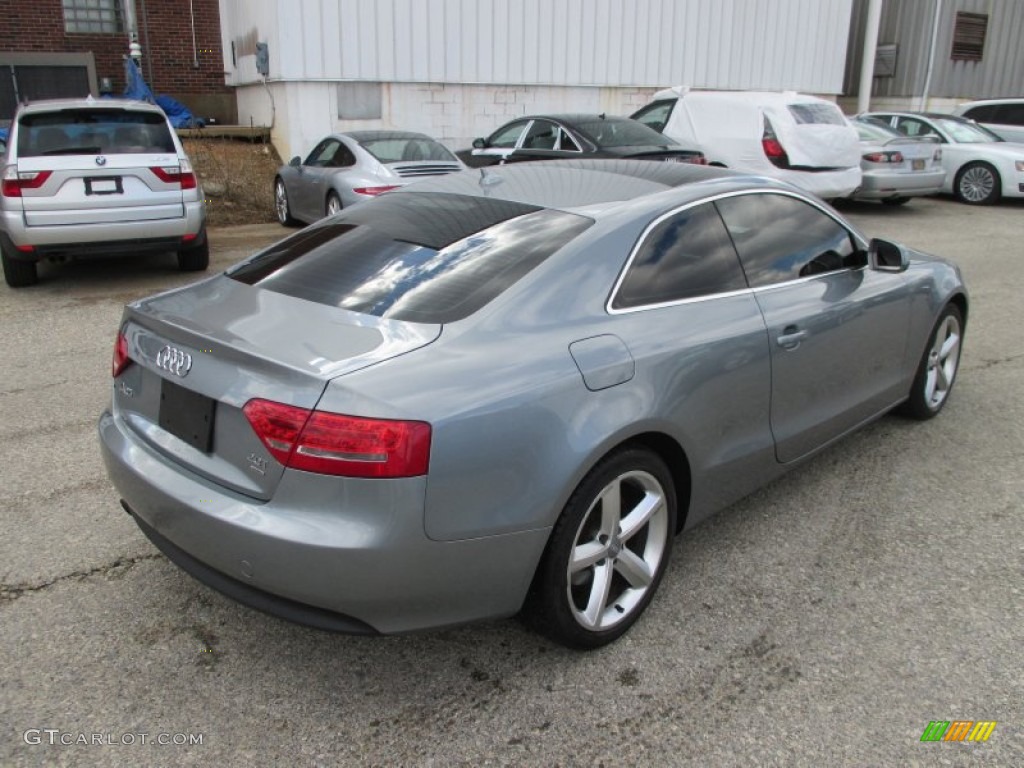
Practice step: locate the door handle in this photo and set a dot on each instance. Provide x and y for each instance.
(790, 337)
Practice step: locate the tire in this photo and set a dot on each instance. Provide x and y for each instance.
(333, 204)
(594, 601)
(18, 273)
(977, 184)
(938, 367)
(281, 205)
(195, 259)
(894, 201)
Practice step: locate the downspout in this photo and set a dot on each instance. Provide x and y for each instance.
(867, 64)
(145, 42)
(931, 56)
(195, 51)
(134, 49)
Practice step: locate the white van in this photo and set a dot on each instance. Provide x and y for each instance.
(801, 139)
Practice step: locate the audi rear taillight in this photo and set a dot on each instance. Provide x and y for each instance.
(373, 191)
(121, 359)
(773, 148)
(336, 444)
(14, 182)
(884, 157)
(176, 174)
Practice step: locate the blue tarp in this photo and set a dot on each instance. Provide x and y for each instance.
(136, 88)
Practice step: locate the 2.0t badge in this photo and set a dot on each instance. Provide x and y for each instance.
(173, 360)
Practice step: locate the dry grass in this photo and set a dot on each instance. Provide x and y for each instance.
(237, 177)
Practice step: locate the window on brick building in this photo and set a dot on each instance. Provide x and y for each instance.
(92, 16)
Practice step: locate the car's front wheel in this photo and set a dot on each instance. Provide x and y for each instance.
(937, 370)
(607, 552)
(977, 184)
(18, 273)
(281, 205)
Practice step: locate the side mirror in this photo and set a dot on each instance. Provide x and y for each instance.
(295, 162)
(479, 143)
(884, 256)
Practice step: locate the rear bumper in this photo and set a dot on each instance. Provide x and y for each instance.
(110, 237)
(354, 561)
(825, 184)
(881, 185)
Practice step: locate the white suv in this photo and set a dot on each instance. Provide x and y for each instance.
(88, 177)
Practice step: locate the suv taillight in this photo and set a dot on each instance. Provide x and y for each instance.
(121, 359)
(14, 182)
(335, 444)
(176, 174)
(773, 149)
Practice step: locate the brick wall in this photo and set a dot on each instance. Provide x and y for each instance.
(165, 33)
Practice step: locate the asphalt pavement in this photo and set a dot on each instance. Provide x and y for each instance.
(824, 621)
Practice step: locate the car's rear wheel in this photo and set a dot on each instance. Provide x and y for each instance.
(978, 184)
(896, 201)
(333, 204)
(18, 273)
(281, 205)
(195, 259)
(607, 552)
(937, 369)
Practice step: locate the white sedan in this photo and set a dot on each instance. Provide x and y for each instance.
(980, 167)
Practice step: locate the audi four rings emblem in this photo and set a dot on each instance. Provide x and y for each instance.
(173, 360)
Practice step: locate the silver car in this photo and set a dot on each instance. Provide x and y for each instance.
(894, 167)
(89, 177)
(980, 167)
(346, 168)
(508, 390)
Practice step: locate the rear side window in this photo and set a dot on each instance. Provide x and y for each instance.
(656, 115)
(983, 114)
(406, 150)
(816, 114)
(686, 256)
(93, 132)
(780, 238)
(418, 257)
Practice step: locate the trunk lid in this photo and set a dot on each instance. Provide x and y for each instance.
(202, 352)
(98, 189)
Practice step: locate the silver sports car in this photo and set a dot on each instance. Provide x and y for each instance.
(346, 168)
(508, 390)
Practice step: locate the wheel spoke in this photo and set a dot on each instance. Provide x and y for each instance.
(640, 515)
(949, 346)
(633, 569)
(598, 599)
(929, 385)
(611, 509)
(585, 555)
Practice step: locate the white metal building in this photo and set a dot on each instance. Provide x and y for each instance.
(456, 69)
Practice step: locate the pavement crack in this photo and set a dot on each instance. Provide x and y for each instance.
(993, 362)
(11, 592)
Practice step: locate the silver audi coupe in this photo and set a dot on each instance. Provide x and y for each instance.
(507, 390)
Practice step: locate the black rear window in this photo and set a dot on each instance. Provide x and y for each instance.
(418, 257)
(92, 132)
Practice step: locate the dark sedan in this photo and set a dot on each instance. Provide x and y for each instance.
(545, 137)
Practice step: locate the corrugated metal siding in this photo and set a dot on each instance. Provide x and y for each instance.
(909, 23)
(798, 44)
